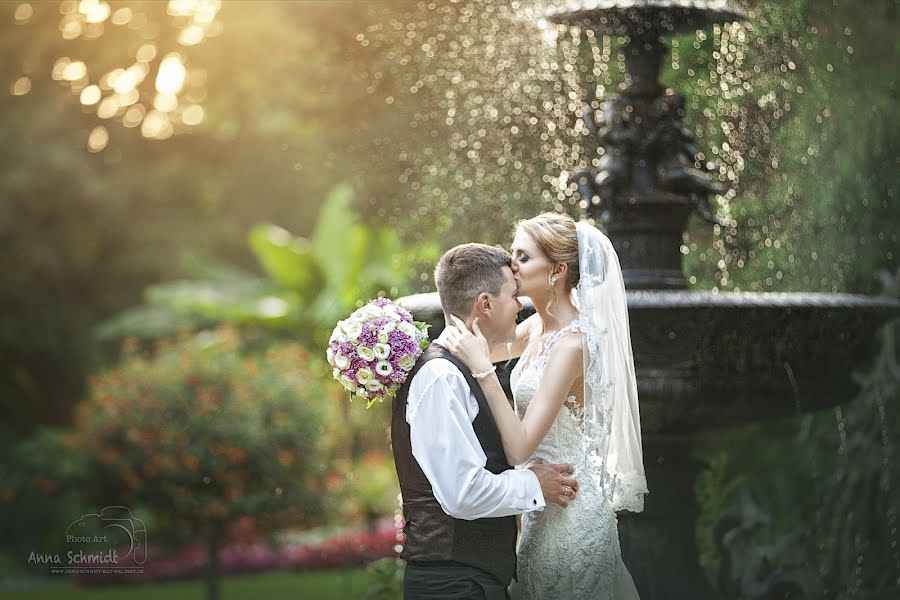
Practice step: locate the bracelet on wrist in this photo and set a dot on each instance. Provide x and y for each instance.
(486, 373)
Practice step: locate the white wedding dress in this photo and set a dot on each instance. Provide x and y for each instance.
(571, 553)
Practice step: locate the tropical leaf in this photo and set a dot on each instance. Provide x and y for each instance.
(336, 240)
(236, 301)
(202, 267)
(146, 322)
(289, 260)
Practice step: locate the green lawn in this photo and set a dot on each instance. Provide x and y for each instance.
(322, 585)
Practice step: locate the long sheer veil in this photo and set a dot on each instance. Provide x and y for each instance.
(612, 422)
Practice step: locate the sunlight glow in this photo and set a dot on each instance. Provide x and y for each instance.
(170, 78)
(21, 86)
(134, 115)
(128, 98)
(124, 82)
(120, 89)
(108, 108)
(60, 65)
(24, 12)
(191, 36)
(70, 27)
(122, 16)
(98, 139)
(165, 102)
(94, 11)
(182, 8)
(74, 71)
(90, 95)
(146, 53)
(156, 125)
(202, 22)
(192, 115)
(109, 79)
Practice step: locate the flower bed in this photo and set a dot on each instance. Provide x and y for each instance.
(342, 550)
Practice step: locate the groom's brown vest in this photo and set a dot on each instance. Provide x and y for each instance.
(433, 535)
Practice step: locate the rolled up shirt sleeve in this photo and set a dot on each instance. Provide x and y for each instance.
(440, 414)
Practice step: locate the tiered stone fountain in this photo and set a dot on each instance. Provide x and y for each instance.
(703, 360)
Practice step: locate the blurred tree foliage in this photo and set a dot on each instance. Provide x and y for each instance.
(816, 206)
(289, 112)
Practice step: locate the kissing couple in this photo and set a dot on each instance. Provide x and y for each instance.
(566, 458)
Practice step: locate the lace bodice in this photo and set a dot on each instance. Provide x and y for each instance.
(566, 552)
(562, 444)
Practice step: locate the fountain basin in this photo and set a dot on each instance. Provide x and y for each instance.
(705, 360)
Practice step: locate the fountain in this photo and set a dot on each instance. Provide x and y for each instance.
(704, 360)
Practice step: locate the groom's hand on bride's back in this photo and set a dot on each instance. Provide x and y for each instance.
(556, 482)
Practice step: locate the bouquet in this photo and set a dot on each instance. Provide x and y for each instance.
(373, 350)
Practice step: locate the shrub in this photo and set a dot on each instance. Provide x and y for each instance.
(203, 435)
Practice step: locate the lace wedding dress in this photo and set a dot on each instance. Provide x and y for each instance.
(572, 552)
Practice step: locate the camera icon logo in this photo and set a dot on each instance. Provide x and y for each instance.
(113, 526)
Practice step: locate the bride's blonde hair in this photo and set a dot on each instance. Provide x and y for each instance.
(556, 236)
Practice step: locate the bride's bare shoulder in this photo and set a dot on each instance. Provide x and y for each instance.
(570, 345)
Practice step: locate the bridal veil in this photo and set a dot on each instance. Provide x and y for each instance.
(612, 424)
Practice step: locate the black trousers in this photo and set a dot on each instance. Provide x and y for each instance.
(450, 581)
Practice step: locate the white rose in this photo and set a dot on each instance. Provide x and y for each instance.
(369, 311)
(337, 335)
(407, 362)
(382, 337)
(329, 355)
(383, 367)
(341, 361)
(364, 375)
(382, 351)
(366, 353)
(409, 329)
(348, 383)
(353, 329)
(389, 327)
(374, 386)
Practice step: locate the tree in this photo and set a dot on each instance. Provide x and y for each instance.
(289, 105)
(201, 435)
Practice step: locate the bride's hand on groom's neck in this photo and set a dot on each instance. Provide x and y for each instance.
(471, 347)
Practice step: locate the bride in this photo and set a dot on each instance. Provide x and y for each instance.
(575, 402)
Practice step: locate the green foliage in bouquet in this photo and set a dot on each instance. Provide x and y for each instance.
(309, 284)
(203, 435)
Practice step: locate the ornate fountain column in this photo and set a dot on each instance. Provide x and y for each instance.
(649, 181)
(650, 177)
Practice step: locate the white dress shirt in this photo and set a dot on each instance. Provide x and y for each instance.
(440, 410)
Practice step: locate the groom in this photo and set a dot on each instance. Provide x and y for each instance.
(459, 493)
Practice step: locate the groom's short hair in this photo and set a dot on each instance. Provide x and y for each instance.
(466, 271)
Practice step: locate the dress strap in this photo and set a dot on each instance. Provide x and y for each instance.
(547, 345)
